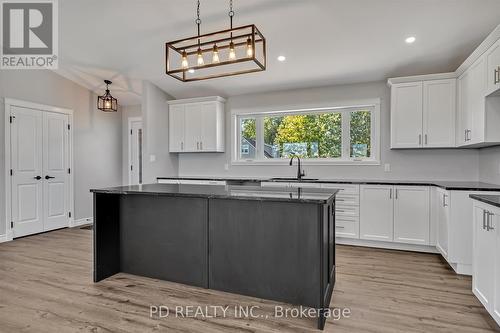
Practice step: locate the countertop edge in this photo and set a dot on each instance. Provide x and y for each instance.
(216, 196)
(482, 198)
(493, 188)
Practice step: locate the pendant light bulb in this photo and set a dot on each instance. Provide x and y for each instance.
(200, 62)
(232, 54)
(107, 104)
(184, 63)
(215, 56)
(249, 48)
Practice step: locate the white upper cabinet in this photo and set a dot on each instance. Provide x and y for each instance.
(423, 114)
(439, 110)
(459, 109)
(406, 115)
(493, 68)
(196, 125)
(472, 86)
(176, 132)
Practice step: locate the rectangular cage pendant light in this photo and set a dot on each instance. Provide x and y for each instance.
(221, 55)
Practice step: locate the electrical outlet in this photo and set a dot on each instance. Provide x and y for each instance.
(152, 158)
(387, 167)
(226, 166)
(499, 168)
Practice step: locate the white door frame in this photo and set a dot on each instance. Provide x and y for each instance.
(130, 121)
(8, 200)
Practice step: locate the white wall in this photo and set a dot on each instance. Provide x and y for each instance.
(97, 135)
(155, 127)
(445, 164)
(127, 112)
(489, 165)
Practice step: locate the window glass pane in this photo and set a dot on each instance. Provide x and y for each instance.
(361, 134)
(308, 136)
(248, 138)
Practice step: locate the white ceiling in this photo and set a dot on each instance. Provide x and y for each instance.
(325, 41)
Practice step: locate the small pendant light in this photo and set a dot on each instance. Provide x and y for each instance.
(106, 102)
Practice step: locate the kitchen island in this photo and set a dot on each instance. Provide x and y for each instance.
(272, 243)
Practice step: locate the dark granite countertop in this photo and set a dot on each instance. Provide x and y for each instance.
(493, 200)
(447, 185)
(305, 195)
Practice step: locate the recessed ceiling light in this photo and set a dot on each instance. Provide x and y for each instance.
(410, 40)
(191, 71)
(281, 58)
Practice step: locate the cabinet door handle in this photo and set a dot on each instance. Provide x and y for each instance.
(390, 193)
(201, 145)
(425, 139)
(396, 195)
(484, 219)
(339, 227)
(420, 139)
(182, 145)
(38, 177)
(444, 200)
(465, 135)
(497, 75)
(490, 225)
(197, 145)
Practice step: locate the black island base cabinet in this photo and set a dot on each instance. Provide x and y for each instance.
(276, 244)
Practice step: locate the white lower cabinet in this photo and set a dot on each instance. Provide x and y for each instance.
(411, 214)
(395, 214)
(376, 212)
(486, 258)
(442, 216)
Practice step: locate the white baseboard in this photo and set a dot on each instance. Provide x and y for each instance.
(80, 222)
(386, 245)
(3, 238)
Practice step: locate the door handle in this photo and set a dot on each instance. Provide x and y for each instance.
(490, 227)
(484, 219)
(49, 177)
(38, 177)
(497, 75)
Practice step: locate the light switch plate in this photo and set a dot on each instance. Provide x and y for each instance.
(387, 167)
(226, 166)
(152, 158)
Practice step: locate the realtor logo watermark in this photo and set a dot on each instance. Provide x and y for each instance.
(29, 36)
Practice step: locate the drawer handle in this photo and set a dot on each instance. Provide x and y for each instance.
(339, 227)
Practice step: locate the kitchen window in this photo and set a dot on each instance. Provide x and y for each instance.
(339, 135)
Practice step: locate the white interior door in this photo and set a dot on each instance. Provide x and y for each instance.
(26, 165)
(55, 170)
(40, 171)
(135, 153)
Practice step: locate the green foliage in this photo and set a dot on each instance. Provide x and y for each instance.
(248, 128)
(320, 133)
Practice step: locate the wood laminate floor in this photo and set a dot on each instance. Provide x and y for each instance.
(46, 286)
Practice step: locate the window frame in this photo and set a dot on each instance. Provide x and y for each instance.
(346, 108)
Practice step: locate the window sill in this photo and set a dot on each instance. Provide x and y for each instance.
(307, 162)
